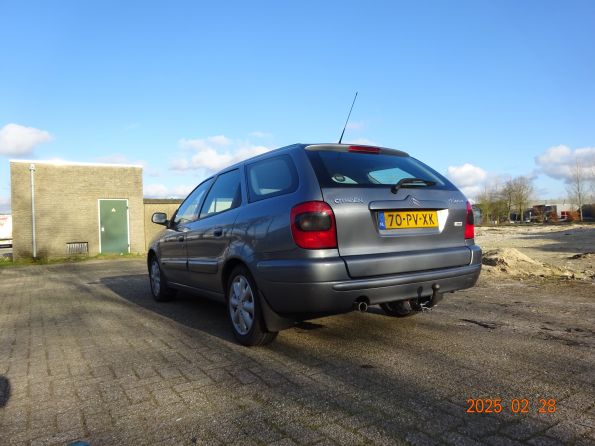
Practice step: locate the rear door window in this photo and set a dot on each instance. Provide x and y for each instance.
(271, 177)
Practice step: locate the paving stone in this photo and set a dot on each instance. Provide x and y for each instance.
(454, 438)
(587, 440)
(283, 442)
(60, 438)
(480, 425)
(420, 439)
(300, 433)
(380, 435)
(138, 394)
(98, 422)
(541, 440)
(341, 434)
(109, 365)
(566, 431)
(501, 440)
(524, 429)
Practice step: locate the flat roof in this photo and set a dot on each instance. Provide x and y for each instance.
(162, 200)
(74, 163)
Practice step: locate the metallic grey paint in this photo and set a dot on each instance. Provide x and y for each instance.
(380, 265)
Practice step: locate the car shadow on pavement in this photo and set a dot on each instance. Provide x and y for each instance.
(190, 310)
(187, 309)
(4, 391)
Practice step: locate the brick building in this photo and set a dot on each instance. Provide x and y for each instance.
(167, 205)
(79, 208)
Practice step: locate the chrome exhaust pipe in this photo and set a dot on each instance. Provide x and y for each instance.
(362, 306)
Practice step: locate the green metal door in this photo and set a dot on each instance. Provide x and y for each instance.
(113, 226)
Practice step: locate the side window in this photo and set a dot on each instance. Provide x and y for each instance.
(188, 210)
(224, 195)
(271, 177)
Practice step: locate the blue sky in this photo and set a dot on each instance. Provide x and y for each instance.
(480, 90)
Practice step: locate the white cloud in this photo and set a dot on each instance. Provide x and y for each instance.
(355, 125)
(18, 140)
(560, 162)
(468, 178)
(362, 141)
(179, 164)
(258, 134)
(154, 173)
(162, 191)
(214, 153)
(118, 158)
(219, 140)
(205, 143)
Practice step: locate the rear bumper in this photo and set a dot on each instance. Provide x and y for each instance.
(300, 288)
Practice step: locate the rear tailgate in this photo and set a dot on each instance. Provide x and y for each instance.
(380, 232)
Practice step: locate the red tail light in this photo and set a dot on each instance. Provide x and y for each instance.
(364, 149)
(469, 223)
(313, 225)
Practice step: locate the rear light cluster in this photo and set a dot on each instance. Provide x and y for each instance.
(469, 223)
(313, 225)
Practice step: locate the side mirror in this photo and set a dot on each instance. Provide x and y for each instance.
(159, 218)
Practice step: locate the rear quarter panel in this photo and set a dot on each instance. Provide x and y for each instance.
(264, 226)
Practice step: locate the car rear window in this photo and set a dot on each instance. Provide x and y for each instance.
(349, 169)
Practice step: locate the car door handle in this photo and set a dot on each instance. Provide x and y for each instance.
(218, 232)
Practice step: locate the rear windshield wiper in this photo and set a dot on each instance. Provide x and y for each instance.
(411, 182)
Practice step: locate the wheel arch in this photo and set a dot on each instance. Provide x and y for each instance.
(150, 255)
(228, 267)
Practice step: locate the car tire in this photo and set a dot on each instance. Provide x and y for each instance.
(400, 308)
(159, 288)
(243, 310)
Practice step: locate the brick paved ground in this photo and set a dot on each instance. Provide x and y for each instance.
(86, 354)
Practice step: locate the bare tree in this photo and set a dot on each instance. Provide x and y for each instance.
(507, 194)
(489, 200)
(485, 201)
(522, 190)
(497, 201)
(578, 186)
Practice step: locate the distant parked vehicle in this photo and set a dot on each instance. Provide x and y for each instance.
(311, 230)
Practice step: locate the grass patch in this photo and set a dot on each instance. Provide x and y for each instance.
(6, 262)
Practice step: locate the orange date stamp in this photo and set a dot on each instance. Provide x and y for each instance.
(515, 405)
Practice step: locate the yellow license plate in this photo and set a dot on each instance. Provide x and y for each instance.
(407, 219)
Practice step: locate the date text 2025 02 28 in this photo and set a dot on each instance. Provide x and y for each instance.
(520, 405)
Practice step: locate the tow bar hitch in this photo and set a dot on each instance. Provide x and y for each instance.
(433, 300)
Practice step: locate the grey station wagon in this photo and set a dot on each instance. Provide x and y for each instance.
(311, 230)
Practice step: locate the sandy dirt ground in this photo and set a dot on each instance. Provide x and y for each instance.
(562, 251)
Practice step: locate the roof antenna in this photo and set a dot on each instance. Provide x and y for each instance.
(343, 132)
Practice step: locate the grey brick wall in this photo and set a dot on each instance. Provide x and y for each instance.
(169, 206)
(66, 203)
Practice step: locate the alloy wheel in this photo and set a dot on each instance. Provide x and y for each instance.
(155, 277)
(241, 304)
